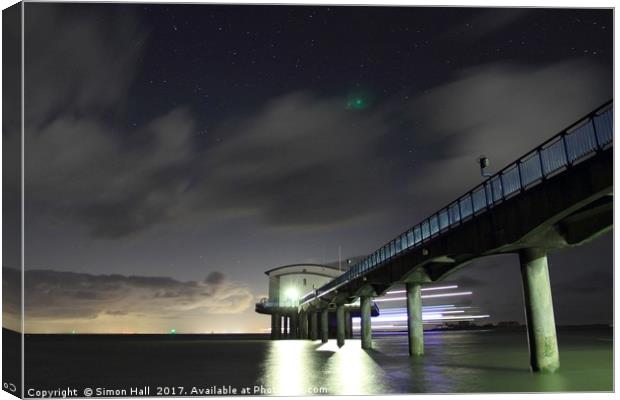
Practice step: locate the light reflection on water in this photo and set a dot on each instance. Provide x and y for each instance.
(455, 362)
(288, 366)
(298, 367)
(351, 370)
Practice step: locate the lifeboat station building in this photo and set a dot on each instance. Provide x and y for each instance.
(288, 284)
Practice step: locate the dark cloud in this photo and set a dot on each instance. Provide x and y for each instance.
(485, 23)
(113, 189)
(116, 312)
(501, 110)
(11, 291)
(484, 105)
(297, 162)
(93, 60)
(54, 295)
(215, 278)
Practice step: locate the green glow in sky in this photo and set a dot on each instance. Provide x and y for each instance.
(356, 103)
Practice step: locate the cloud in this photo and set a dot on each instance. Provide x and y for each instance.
(501, 110)
(215, 278)
(296, 161)
(300, 160)
(93, 59)
(486, 22)
(54, 295)
(83, 165)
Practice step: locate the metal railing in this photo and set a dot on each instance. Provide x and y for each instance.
(589, 135)
(266, 303)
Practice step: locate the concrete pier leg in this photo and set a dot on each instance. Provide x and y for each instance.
(324, 326)
(294, 326)
(348, 320)
(277, 319)
(314, 329)
(304, 325)
(273, 327)
(340, 325)
(286, 328)
(414, 319)
(542, 339)
(366, 330)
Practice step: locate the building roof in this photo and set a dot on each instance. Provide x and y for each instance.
(302, 265)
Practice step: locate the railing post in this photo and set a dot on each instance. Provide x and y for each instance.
(521, 186)
(542, 167)
(563, 139)
(486, 195)
(598, 145)
(501, 184)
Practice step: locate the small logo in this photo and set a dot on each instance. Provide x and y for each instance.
(88, 392)
(9, 386)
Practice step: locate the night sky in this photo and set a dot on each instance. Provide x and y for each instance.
(176, 152)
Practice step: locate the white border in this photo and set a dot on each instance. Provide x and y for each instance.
(452, 3)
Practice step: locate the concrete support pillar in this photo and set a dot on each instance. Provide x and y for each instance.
(314, 329)
(348, 320)
(303, 325)
(286, 321)
(366, 330)
(273, 327)
(414, 319)
(277, 319)
(340, 325)
(542, 339)
(291, 327)
(324, 326)
(294, 326)
(288, 327)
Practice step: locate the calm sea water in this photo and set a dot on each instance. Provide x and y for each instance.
(455, 362)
